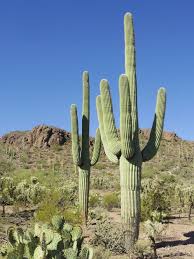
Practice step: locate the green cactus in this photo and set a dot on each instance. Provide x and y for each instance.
(81, 155)
(7, 189)
(57, 222)
(45, 241)
(70, 253)
(86, 253)
(127, 151)
(67, 227)
(186, 193)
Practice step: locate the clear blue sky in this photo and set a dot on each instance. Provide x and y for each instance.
(45, 46)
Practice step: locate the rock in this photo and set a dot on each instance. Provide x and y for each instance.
(44, 136)
(169, 136)
(41, 136)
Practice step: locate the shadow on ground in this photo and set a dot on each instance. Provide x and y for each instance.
(189, 241)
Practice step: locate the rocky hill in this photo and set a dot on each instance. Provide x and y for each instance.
(44, 147)
(44, 136)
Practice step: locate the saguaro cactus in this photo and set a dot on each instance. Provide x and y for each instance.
(81, 154)
(126, 151)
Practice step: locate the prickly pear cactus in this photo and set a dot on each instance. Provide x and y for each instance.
(47, 241)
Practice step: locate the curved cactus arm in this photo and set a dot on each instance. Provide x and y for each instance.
(85, 119)
(127, 149)
(130, 69)
(113, 158)
(97, 148)
(108, 118)
(156, 132)
(75, 136)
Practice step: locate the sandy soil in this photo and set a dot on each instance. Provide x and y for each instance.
(176, 243)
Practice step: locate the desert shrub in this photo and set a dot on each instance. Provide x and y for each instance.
(7, 189)
(97, 214)
(153, 230)
(29, 193)
(35, 191)
(184, 198)
(148, 172)
(110, 200)
(103, 182)
(52, 205)
(100, 166)
(101, 253)
(21, 192)
(109, 236)
(141, 250)
(6, 167)
(69, 194)
(72, 215)
(94, 200)
(156, 196)
(48, 207)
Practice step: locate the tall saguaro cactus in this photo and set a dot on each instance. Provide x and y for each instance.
(81, 154)
(126, 150)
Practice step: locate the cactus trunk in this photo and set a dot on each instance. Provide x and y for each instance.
(81, 153)
(84, 179)
(130, 181)
(126, 149)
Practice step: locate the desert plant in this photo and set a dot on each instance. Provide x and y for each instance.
(81, 155)
(153, 229)
(127, 150)
(7, 189)
(35, 191)
(188, 193)
(55, 202)
(69, 193)
(47, 241)
(94, 200)
(155, 198)
(110, 236)
(21, 192)
(5, 167)
(29, 193)
(101, 253)
(110, 200)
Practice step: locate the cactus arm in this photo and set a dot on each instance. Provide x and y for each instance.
(97, 148)
(157, 128)
(113, 158)
(130, 69)
(108, 118)
(85, 119)
(75, 136)
(127, 149)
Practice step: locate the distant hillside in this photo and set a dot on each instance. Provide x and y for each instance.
(44, 146)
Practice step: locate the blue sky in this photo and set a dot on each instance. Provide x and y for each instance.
(46, 45)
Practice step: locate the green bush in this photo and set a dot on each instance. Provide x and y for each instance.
(53, 204)
(110, 200)
(94, 200)
(110, 236)
(101, 253)
(6, 167)
(156, 196)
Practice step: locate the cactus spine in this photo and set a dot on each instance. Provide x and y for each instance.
(81, 154)
(127, 151)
